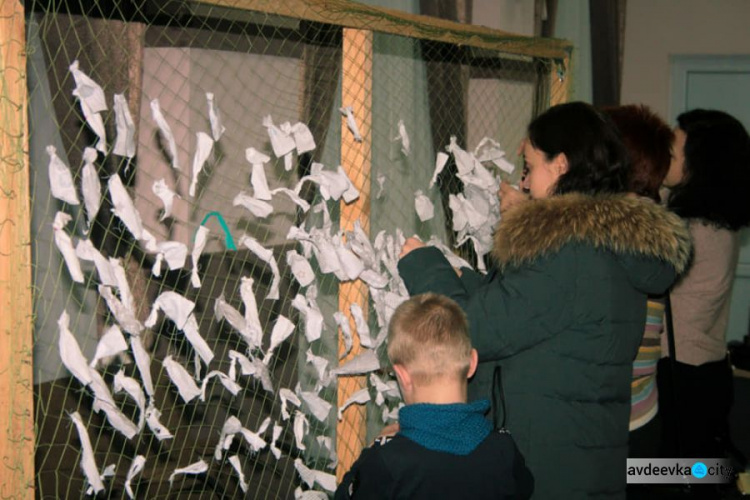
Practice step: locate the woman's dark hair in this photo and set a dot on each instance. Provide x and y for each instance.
(648, 140)
(597, 160)
(716, 180)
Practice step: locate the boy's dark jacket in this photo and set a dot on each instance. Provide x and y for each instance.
(563, 312)
(399, 468)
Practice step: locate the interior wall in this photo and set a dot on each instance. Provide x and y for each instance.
(513, 16)
(656, 29)
(180, 78)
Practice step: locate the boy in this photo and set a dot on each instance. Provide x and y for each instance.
(445, 448)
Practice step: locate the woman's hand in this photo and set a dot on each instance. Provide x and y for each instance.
(389, 430)
(410, 244)
(510, 197)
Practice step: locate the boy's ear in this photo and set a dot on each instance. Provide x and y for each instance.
(403, 376)
(473, 363)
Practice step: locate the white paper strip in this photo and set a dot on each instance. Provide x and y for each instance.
(90, 185)
(301, 429)
(143, 362)
(224, 311)
(195, 468)
(124, 314)
(326, 443)
(252, 318)
(440, 162)
(266, 256)
(384, 389)
(303, 138)
(204, 145)
(253, 367)
(319, 407)
(136, 466)
(103, 401)
(258, 208)
(360, 397)
(182, 379)
(65, 246)
(282, 329)
(175, 306)
(301, 268)
(91, 97)
(277, 429)
(225, 380)
(287, 396)
(310, 476)
(403, 137)
(309, 494)
(110, 344)
(258, 175)
(85, 250)
(363, 329)
(351, 123)
(70, 352)
(282, 143)
(133, 389)
(166, 195)
(201, 238)
(125, 141)
(321, 366)
(423, 205)
(152, 420)
(166, 133)
(381, 186)
(124, 208)
(174, 252)
(313, 317)
(61, 179)
(346, 331)
(305, 206)
(365, 362)
(234, 460)
(88, 462)
(180, 310)
(217, 129)
(193, 335)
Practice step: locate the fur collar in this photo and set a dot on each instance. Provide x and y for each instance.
(622, 224)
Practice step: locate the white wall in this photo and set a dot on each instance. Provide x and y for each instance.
(656, 29)
(513, 16)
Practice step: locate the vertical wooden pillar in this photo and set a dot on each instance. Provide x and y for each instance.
(560, 76)
(356, 159)
(16, 369)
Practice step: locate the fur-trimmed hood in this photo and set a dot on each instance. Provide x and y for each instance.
(620, 223)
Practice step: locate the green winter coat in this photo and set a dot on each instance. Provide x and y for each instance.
(563, 312)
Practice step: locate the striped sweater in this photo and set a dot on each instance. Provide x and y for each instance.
(644, 397)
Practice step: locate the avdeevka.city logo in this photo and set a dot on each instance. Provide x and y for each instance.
(679, 470)
(699, 470)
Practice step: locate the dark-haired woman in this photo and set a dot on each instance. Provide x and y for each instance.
(563, 310)
(709, 181)
(648, 140)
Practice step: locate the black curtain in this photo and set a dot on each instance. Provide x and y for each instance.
(447, 90)
(607, 23)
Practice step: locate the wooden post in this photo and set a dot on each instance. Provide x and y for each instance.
(356, 158)
(560, 81)
(16, 363)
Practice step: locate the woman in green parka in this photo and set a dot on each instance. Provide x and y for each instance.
(563, 308)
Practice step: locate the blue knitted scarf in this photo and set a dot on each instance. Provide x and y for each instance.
(453, 428)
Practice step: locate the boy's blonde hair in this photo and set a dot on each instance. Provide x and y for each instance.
(429, 335)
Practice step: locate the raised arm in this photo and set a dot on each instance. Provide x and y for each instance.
(507, 314)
